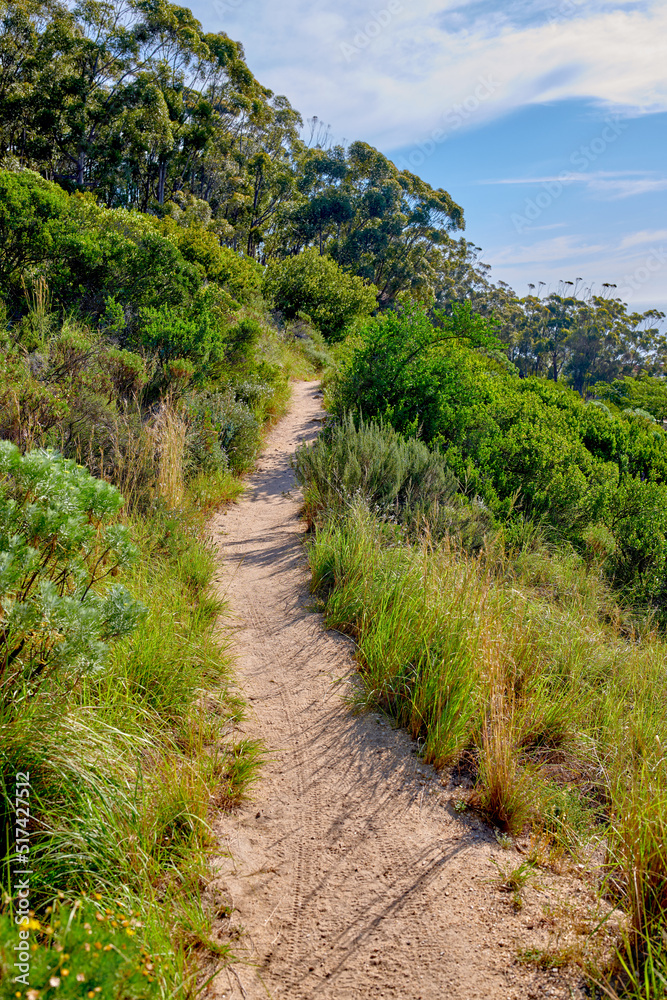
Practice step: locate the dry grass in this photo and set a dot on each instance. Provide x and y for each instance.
(170, 430)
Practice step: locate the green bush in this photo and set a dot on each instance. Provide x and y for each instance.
(58, 541)
(240, 276)
(173, 335)
(316, 285)
(370, 461)
(86, 253)
(644, 392)
(399, 479)
(532, 450)
(222, 429)
(31, 225)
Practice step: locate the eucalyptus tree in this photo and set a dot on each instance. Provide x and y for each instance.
(384, 224)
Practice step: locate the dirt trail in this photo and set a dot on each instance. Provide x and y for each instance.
(350, 873)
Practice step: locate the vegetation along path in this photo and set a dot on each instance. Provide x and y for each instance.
(349, 872)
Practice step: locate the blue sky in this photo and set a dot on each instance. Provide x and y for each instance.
(546, 121)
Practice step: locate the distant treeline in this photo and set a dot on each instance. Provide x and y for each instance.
(138, 106)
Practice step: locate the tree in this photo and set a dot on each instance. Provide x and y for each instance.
(381, 223)
(317, 286)
(31, 212)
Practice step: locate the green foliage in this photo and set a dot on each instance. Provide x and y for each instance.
(316, 285)
(58, 540)
(31, 212)
(529, 448)
(29, 407)
(80, 950)
(644, 392)
(572, 334)
(222, 429)
(413, 373)
(242, 770)
(401, 480)
(240, 275)
(375, 463)
(123, 772)
(172, 336)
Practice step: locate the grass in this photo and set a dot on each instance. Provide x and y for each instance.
(513, 880)
(519, 663)
(125, 771)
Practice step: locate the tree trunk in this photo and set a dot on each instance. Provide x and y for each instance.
(80, 166)
(161, 181)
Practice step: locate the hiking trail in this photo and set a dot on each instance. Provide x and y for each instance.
(349, 871)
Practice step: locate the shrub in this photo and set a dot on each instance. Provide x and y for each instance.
(316, 285)
(58, 542)
(372, 461)
(532, 450)
(29, 408)
(173, 335)
(644, 392)
(85, 252)
(241, 276)
(31, 211)
(221, 429)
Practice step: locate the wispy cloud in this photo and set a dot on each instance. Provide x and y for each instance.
(560, 248)
(433, 53)
(644, 237)
(605, 184)
(627, 188)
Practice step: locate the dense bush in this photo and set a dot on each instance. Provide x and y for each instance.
(644, 392)
(376, 463)
(86, 253)
(313, 284)
(400, 479)
(530, 448)
(58, 542)
(111, 311)
(222, 430)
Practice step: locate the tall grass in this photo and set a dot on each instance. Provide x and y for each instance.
(170, 430)
(517, 663)
(125, 772)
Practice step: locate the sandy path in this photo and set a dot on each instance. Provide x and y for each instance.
(350, 873)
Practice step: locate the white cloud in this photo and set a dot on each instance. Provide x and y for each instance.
(572, 176)
(387, 71)
(608, 185)
(559, 248)
(643, 237)
(628, 187)
(636, 264)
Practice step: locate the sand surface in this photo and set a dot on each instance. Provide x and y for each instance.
(349, 872)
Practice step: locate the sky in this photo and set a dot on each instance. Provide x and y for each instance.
(546, 122)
